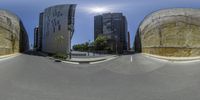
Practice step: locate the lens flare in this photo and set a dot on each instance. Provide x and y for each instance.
(99, 10)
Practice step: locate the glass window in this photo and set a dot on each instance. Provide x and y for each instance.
(54, 30)
(59, 27)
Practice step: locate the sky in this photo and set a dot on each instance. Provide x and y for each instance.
(134, 10)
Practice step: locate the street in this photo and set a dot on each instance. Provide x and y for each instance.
(129, 77)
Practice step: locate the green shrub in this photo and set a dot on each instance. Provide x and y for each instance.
(60, 56)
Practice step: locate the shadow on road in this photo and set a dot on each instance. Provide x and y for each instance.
(35, 53)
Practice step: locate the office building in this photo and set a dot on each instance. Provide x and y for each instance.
(36, 38)
(114, 27)
(56, 24)
(129, 41)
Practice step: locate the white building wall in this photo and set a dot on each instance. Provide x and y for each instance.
(55, 40)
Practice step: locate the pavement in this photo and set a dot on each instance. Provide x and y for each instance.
(3, 57)
(128, 77)
(91, 59)
(174, 58)
(87, 54)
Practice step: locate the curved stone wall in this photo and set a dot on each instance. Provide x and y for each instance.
(170, 32)
(13, 36)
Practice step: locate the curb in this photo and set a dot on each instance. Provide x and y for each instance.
(112, 58)
(86, 62)
(180, 59)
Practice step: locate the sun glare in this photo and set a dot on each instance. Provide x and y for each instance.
(99, 10)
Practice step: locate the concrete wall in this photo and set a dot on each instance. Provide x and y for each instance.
(56, 34)
(13, 36)
(170, 32)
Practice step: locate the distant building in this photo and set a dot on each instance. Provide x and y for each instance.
(129, 41)
(56, 28)
(36, 38)
(114, 27)
(98, 26)
(40, 32)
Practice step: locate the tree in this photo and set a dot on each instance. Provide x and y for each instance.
(81, 47)
(101, 43)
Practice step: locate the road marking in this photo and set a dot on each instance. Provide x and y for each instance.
(131, 58)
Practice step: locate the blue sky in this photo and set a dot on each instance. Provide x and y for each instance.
(134, 10)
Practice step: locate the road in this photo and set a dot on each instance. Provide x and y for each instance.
(31, 77)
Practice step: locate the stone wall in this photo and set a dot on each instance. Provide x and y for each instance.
(11, 31)
(171, 32)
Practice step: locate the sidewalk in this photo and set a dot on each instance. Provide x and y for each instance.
(10, 55)
(91, 59)
(173, 58)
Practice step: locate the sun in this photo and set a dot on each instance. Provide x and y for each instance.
(99, 9)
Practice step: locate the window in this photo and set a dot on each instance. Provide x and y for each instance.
(59, 27)
(54, 30)
(58, 22)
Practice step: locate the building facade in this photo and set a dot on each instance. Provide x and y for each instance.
(38, 34)
(13, 36)
(129, 41)
(56, 24)
(36, 38)
(114, 27)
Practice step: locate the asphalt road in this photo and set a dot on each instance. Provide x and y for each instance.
(29, 77)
